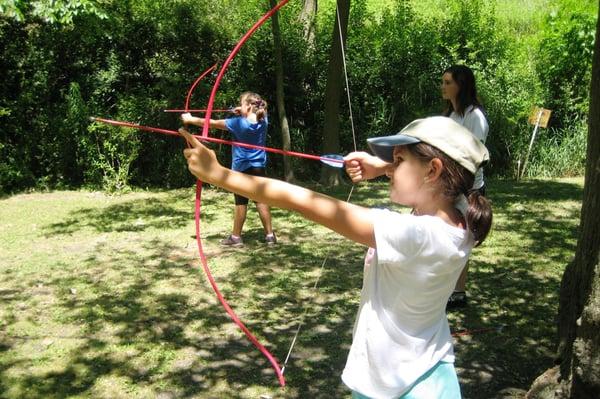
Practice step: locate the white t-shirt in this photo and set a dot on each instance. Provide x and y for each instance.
(401, 330)
(475, 121)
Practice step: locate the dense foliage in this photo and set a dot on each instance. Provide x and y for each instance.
(64, 61)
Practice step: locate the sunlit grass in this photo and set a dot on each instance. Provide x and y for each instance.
(102, 296)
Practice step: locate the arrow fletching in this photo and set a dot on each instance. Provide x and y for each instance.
(333, 160)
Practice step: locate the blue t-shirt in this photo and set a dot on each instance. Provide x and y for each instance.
(251, 133)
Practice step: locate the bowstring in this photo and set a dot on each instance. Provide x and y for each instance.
(320, 273)
(343, 51)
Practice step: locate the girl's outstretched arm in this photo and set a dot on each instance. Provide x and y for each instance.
(187, 118)
(351, 221)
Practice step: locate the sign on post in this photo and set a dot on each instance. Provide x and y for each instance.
(542, 113)
(538, 117)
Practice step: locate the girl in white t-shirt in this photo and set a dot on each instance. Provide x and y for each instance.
(401, 344)
(463, 106)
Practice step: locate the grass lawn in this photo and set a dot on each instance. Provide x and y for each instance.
(102, 296)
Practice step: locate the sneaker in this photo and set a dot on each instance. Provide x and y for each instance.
(270, 239)
(232, 241)
(458, 299)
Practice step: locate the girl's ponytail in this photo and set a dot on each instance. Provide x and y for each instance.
(261, 109)
(478, 216)
(259, 106)
(456, 183)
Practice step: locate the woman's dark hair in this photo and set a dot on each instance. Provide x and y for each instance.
(456, 180)
(467, 90)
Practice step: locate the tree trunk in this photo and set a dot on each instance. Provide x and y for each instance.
(307, 16)
(586, 347)
(333, 90)
(288, 173)
(579, 307)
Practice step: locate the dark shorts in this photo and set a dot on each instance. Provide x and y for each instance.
(239, 200)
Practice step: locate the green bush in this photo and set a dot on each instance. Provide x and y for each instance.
(565, 63)
(13, 172)
(507, 92)
(129, 60)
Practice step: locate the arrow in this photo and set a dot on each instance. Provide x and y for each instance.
(333, 160)
(198, 110)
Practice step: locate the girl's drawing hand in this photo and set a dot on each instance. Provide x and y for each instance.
(362, 166)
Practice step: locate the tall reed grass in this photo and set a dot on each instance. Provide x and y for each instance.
(559, 152)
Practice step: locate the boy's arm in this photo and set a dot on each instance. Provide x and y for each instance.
(349, 220)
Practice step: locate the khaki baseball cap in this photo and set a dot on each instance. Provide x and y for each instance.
(440, 132)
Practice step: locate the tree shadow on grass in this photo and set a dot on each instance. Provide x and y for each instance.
(120, 324)
(133, 215)
(514, 290)
(148, 323)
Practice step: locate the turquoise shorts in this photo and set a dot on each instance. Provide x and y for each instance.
(439, 382)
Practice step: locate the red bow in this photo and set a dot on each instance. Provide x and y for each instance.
(209, 109)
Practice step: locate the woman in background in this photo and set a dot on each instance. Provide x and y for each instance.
(462, 105)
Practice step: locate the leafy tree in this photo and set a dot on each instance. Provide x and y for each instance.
(66, 60)
(577, 375)
(564, 64)
(58, 11)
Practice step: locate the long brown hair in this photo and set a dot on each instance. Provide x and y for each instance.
(455, 181)
(467, 90)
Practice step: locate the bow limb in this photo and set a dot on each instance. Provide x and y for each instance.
(191, 90)
(205, 130)
(230, 58)
(342, 41)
